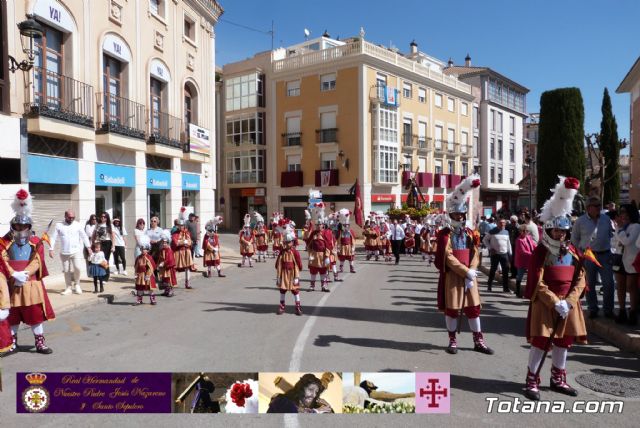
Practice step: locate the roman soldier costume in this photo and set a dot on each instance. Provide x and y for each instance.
(555, 281)
(319, 254)
(384, 246)
(410, 237)
(372, 237)
(144, 268)
(288, 267)
(167, 265)
(211, 247)
(247, 242)
(276, 237)
(181, 242)
(457, 260)
(346, 240)
(23, 267)
(332, 245)
(424, 240)
(261, 237)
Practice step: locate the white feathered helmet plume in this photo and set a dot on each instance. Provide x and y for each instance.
(307, 216)
(286, 228)
(344, 216)
(165, 236)
(212, 225)
(258, 218)
(22, 205)
(144, 242)
(242, 397)
(247, 220)
(457, 200)
(182, 216)
(556, 211)
(317, 212)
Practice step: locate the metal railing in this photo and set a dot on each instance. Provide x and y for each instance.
(59, 97)
(292, 139)
(424, 143)
(164, 129)
(408, 140)
(120, 115)
(329, 135)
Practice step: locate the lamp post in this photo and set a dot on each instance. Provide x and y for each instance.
(30, 30)
(530, 164)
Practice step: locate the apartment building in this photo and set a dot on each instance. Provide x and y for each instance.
(528, 184)
(117, 113)
(631, 85)
(499, 114)
(332, 111)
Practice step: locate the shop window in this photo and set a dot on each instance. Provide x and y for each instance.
(38, 144)
(10, 171)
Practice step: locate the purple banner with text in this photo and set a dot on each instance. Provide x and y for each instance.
(93, 392)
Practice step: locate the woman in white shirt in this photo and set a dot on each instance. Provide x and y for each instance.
(119, 232)
(140, 231)
(90, 226)
(627, 276)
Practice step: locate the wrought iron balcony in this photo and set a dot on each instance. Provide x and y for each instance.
(329, 135)
(424, 143)
(409, 140)
(164, 129)
(59, 97)
(120, 115)
(439, 146)
(292, 139)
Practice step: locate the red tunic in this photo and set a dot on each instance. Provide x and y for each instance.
(144, 269)
(211, 258)
(168, 270)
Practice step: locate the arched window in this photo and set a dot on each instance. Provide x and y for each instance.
(190, 105)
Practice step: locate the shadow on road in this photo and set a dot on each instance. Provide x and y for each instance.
(327, 340)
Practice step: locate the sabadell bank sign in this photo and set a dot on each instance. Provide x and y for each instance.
(114, 181)
(159, 183)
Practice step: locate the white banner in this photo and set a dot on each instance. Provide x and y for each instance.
(325, 178)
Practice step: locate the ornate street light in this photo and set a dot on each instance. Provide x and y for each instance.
(30, 30)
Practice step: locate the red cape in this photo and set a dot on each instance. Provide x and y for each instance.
(442, 237)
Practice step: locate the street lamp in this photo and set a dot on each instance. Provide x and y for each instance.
(30, 30)
(530, 163)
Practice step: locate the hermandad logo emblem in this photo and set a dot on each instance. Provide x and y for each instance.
(36, 398)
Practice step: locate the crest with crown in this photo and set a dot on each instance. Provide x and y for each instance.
(457, 200)
(36, 378)
(557, 210)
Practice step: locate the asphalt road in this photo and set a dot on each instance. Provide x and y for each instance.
(383, 318)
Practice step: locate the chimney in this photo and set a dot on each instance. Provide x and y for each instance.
(413, 47)
(467, 61)
(326, 34)
(450, 62)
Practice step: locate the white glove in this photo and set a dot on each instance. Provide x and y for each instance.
(4, 313)
(296, 281)
(327, 261)
(468, 284)
(215, 249)
(20, 277)
(147, 278)
(562, 307)
(471, 274)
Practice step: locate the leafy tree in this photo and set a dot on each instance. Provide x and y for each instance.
(610, 147)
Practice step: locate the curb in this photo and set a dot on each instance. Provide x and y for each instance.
(605, 329)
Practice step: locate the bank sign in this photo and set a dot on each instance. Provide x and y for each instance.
(158, 179)
(115, 175)
(190, 182)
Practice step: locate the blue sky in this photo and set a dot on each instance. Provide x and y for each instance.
(542, 45)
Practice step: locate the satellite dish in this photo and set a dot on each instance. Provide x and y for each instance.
(306, 33)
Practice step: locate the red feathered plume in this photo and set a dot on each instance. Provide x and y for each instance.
(22, 194)
(475, 183)
(571, 183)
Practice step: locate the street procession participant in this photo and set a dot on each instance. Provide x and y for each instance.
(308, 227)
(211, 247)
(555, 281)
(332, 245)
(167, 265)
(144, 268)
(424, 239)
(384, 247)
(23, 264)
(247, 242)
(319, 260)
(276, 237)
(288, 267)
(261, 237)
(457, 259)
(371, 237)
(346, 241)
(181, 242)
(6, 341)
(410, 237)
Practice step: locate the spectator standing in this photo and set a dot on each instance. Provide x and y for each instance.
(533, 229)
(514, 232)
(192, 227)
(73, 240)
(98, 266)
(497, 240)
(418, 232)
(397, 238)
(103, 233)
(595, 229)
(524, 247)
(627, 276)
(119, 232)
(138, 233)
(90, 226)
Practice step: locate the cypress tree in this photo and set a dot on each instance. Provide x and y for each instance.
(610, 148)
(561, 140)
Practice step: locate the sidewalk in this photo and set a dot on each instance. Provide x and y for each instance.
(120, 287)
(622, 336)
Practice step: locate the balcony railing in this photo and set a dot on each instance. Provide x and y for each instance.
(292, 139)
(120, 115)
(450, 146)
(327, 177)
(59, 97)
(164, 129)
(329, 135)
(247, 177)
(408, 140)
(424, 143)
(439, 146)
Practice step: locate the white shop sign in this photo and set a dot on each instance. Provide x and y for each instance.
(54, 14)
(116, 47)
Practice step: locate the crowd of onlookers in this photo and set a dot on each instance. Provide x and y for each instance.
(613, 235)
(101, 244)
